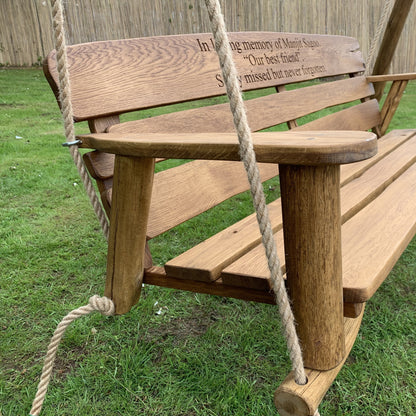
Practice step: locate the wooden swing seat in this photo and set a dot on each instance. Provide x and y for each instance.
(372, 196)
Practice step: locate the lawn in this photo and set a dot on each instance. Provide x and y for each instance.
(175, 353)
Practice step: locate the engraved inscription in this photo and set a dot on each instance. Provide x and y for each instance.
(267, 60)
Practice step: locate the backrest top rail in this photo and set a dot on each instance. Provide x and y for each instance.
(118, 76)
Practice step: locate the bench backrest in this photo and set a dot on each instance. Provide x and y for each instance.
(114, 77)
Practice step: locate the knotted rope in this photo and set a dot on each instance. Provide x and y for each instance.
(96, 303)
(67, 113)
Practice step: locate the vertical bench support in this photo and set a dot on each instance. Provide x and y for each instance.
(132, 189)
(312, 235)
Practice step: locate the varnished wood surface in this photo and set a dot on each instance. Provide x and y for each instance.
(291, 399)
(133, 181)
(114, 77)
(392, 77)
(311, 209)
(361, 186)
(359, 117)
(262, 112)
(205, 261)
(303, 148)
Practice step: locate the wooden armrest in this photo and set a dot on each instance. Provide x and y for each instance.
(297, 148)
(392, 77)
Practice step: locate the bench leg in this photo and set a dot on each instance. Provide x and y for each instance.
(312, 235)
(132, 189)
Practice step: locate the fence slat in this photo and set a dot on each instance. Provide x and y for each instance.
(26, 28)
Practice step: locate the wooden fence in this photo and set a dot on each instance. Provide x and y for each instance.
(26, 25)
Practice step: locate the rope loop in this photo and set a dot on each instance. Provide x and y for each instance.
(103, 305)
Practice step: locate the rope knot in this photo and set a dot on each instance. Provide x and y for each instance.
(102, 304)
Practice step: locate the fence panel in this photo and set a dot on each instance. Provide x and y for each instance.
(26, 25)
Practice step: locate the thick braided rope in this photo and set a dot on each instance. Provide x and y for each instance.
(67, 113)
(96, 303)
(387, 9)
(248, 157)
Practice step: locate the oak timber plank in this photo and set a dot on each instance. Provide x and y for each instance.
(386, 144)
(157, 276)
(363, 116)
(100, 165)
(206, 260)
(298, 148)
(251, 269)
(114, 77)
(126, 259)
(261, 111)
(292, 399)
(392, 77)
(391, 103)
(374, 239)
(185, 191)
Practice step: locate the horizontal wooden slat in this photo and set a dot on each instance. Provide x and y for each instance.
(251, 269)
(206, 260)
(392, 77)
(262, 112)
(114, 77)
(374, 239)
(185, 191)
(303, 148)
(363, 116)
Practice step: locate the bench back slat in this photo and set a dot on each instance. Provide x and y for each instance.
(263, 112)
(113, 77)
(362, 117)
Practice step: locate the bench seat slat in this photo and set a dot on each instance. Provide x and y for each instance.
(355, 196)
(372, 241)
(251, 269)
(206, 260)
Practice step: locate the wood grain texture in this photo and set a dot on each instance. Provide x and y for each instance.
(302, 148)
(113, 77)
(392, 77)
(363, 116)
(291, 399)
(391, 103)
(133, 178)
(375, 238)
(183, 192)
(251, 269)
(311, 210)
(263, 112)
(205, 261)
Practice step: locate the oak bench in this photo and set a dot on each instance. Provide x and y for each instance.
(348, 207)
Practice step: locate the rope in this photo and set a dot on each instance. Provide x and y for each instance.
(67, 113)
(96, 303)
(387, 9)
(249, 159)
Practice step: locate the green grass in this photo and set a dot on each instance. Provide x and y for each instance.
(203, 355)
